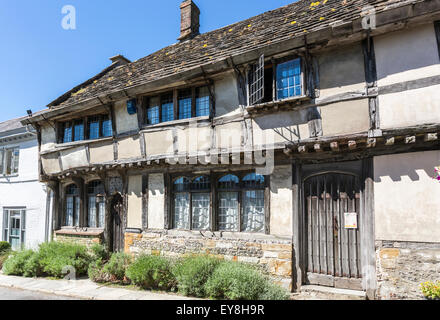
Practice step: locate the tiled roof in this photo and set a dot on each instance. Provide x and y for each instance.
(291, 21)
(11, 124)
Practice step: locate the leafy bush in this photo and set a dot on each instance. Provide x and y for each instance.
(235, 281)
(151, 272)
(192, 273)
(4, 247)
(16, 262)
(96, 273)
(274, 292)
(117, 266)
(431, 290)
(54, 256)
(99, 252)
(3, 257)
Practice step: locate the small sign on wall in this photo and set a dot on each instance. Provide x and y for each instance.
(351, 220)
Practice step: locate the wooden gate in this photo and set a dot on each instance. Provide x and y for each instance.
(117, 209)
(333, 248)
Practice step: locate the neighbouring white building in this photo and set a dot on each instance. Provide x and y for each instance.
(24, 203)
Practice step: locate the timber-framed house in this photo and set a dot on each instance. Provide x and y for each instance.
(304, 139)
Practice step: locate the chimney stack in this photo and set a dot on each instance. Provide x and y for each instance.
(189, 25)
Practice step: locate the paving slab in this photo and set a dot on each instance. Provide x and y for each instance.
(82, 289)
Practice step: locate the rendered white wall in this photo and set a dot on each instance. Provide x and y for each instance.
(26, 191)
(406, 197)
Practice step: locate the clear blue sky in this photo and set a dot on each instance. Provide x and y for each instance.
(39, 60)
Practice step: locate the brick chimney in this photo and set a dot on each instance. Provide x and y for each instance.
(189, 25)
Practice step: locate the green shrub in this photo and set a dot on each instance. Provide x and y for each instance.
(431, 290)
(151, 272)
(3, 257)
(16, 262)
(235, 281)
(99, 252)
(4, 247)
(117, 266)
(192, 273)
(96, 273)
(54, 256)
(274, 292)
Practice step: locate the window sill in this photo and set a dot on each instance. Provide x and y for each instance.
(81, 142)
(225, 234)
(277, 103)
(91, 232)
(174, 122)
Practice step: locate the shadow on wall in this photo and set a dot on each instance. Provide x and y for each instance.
(292, 126)
(416, 48)
(411, 165)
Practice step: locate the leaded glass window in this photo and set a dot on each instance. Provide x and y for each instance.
(185, 102)
(107, 129)
(68, 136)
(192, 200)
(72, 206)
(93, 127)
(153, 110)
(78, 130)
(96, 205)
(167, 108)
(289, 82)
(202, 102)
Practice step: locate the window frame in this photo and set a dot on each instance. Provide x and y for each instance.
(214, 200)
(86, 121)
(97, 204)
(176, 93)
(6, 227)
(274, 63)
(14, 161)
(190, 191)
(75, 197)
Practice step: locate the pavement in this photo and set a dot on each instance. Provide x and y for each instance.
(79, 289)
(18, 294)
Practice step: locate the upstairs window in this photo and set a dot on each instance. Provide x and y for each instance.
(284, 79)
(202, 102)
(87, 128)
(9, 161)
(289, 82)
(185, 104)
(188, 103)
(167, 108)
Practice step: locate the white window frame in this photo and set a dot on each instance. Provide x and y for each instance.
(14, 166)
(6, 231)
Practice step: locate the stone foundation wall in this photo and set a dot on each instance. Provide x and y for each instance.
(273, 255)
(403, 266)
(87, 240)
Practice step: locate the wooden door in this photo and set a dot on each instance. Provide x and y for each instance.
(333, 247)
(117, 210)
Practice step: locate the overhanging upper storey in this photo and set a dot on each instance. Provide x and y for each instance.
(298, 26)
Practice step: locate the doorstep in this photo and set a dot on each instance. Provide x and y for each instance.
(83, 289)
(315, 292)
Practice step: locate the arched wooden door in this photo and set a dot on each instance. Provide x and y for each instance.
(117, 209)
(332, 216)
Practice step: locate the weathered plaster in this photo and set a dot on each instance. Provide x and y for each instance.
(226, 95)
(156, 201)
(159, 142)
(406, 197)
(101, 152)
(74, 158)
(341, 70)
(50, 162)
(345, 117)
(134, 214)
(281, 201)
(124, 122)
(129, 148)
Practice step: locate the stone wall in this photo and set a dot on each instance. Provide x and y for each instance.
(403, 266)
(84, 239)
(272, 254)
